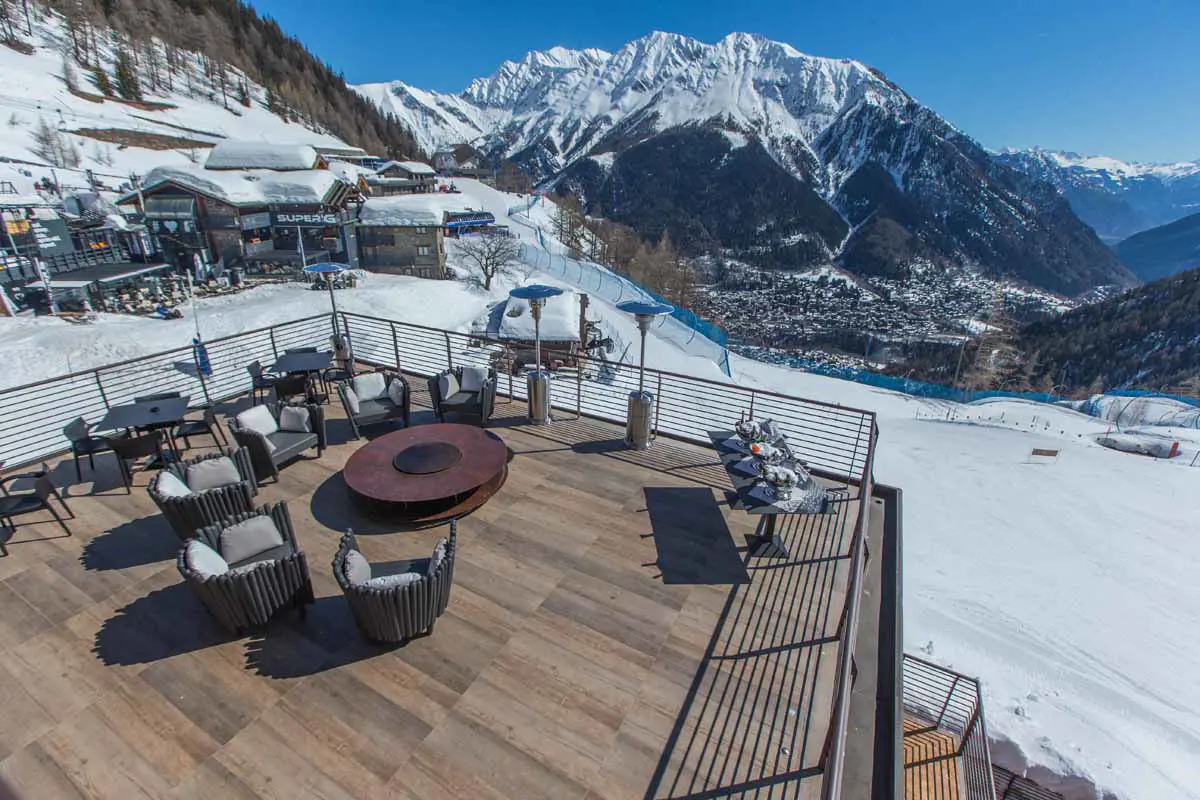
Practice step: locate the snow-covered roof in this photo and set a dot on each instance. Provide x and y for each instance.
(249, 186)
(510, 320)
(412, 210)
(261, 155)
(411, 167)
(349, 172)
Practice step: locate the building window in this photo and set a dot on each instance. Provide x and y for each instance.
(419, 230)
(422, 250)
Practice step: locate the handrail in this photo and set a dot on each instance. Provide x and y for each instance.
(834, 766)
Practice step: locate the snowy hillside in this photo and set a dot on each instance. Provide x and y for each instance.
(114, 138)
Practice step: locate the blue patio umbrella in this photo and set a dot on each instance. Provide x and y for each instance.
(201, 354)
(536, 294)
(328, 270)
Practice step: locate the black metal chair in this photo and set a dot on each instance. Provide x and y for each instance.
(261, 381)
(205, 426)
(253, 589)
(396, 613)
(293, 386)
(18, 504)
(131, 448)
(84, 444)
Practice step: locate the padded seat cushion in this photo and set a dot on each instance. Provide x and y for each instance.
(447, 386)
(295, 419)
(259, 419)
(273, 554)
(394, 581)
(203, 560)
(357, 568)
(290, 443)
(473, 379)
(461, 399)
(167, 485)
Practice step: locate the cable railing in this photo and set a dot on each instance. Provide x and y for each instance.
(835, 441)
(947, 706)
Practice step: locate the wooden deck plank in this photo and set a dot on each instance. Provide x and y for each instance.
(606, 634)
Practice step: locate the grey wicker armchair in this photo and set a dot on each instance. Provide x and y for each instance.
(248, 591)
(269, 451)
(198, 507)
(450, 393)
(396, 613)
(368, 400)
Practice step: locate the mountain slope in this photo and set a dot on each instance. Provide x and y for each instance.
(1163, 251)
(1146, 338)
(1116, 198)
(576, 119)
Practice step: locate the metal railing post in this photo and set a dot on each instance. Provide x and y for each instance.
(100, 386)
(449, 352)
(752, 404)
(274, 347)
(395, 344)
(657, 402)
(949, 697)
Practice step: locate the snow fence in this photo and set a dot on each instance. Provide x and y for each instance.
(682, 328)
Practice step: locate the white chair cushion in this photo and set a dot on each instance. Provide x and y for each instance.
(249, 538)
(395, 393)
(439, 555)
(358, 569)
(258, 419)
(295, 419)
(371, 386)
(473, 378)
(393, 581)
(167, 485)
(351, 400)
(211, 473)
(203, 560)
(447, 385)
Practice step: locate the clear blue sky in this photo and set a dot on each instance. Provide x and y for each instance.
(1112, 77)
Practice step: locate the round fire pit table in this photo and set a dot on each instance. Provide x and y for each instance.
(427, 475)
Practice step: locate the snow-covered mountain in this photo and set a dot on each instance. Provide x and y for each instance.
(1117, 198)
(750, 146)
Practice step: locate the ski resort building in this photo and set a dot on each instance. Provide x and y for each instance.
(402, 177)
(258, 219)
(405, 235)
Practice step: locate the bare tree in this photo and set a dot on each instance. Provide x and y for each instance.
(491, 255)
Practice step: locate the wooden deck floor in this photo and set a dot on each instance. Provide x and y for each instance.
(930, 766)
(607, 637)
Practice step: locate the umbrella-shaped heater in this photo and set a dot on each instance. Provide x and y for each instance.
(637, 426)
(537, 381)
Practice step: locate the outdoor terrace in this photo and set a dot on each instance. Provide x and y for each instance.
(608, 636)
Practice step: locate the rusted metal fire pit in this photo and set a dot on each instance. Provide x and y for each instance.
(427, 475)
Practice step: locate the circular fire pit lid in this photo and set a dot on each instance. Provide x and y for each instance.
(427, 458)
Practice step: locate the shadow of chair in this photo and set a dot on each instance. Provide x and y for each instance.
(148, 540)
(167, 622)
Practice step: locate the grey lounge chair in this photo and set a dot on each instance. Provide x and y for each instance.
(477, 402)
(270, 451)
(364, 410)
(397, 613)
(188, 513)
(250, 590)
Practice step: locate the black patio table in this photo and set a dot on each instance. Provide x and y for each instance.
(303, 362)
(163, 412)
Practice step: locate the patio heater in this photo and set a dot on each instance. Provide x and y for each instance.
(328, 270)
(537, 381)
(641, 402)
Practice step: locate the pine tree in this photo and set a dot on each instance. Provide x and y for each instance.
(127, 84)
(101, 82)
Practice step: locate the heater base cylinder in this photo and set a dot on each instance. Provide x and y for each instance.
(640, 415)
(537, 385)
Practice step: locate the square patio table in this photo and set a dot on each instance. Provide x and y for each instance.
(303, 362)
(164, 412)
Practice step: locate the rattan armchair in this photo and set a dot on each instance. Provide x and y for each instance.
(397, 613)
(473, 402)
(270, 451)
(190, 512)
(253, 589)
